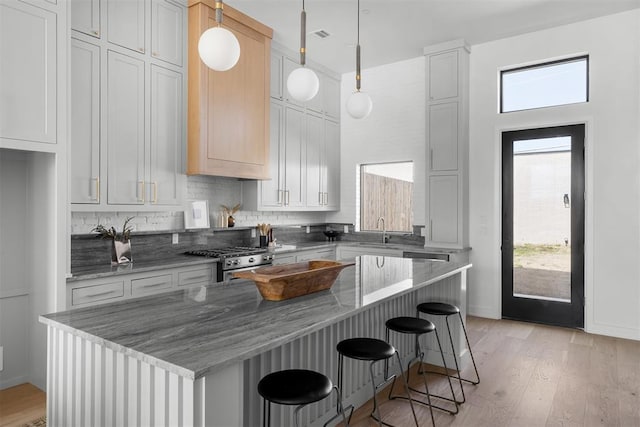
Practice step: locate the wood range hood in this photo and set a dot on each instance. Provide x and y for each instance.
(228, 111)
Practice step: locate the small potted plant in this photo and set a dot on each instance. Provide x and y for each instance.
(120, 242)
(228, 212)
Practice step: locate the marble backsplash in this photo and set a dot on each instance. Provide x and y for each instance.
(90, 249)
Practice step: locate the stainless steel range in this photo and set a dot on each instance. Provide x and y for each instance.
(237, 258)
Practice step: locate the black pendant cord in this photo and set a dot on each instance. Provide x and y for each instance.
(358, 76)
(303, 32)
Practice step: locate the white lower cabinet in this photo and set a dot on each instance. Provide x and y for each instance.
(89, 292)
(304, 255)
(96, 291)
(151, 285)
(350, 252)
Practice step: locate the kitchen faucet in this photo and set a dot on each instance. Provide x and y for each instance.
(384, 230)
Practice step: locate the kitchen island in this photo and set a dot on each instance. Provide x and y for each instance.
(194, 357)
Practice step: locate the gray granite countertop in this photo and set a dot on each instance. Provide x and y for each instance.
(198, 330)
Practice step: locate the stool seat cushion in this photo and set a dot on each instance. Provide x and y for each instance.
(294, 387)
(410, 325)
(365, 349)
(438, 308)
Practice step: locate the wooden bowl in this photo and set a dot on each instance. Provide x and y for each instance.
(281, 282)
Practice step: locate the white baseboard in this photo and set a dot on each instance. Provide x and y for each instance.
(13, 381)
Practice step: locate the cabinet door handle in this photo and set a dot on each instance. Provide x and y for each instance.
(141, 49)
(288, 198)
(141, 188)
(155, 192)
(326, 198)
(100, 294)
(95, 32)
(280, 197)
(97, 189)
(154, 54)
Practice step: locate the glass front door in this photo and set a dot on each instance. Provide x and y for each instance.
(543, 225)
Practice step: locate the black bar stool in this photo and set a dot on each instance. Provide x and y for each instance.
(295, 387)
(417, 327)
(372, 350)
(446, 310)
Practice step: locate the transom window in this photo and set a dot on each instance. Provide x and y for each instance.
(386, 191)
(544, 85)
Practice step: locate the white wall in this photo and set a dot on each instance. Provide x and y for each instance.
(394, 131)
(612, 163)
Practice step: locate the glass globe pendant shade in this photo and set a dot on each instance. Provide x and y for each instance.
(219, 48)
(303, 84)
(359, 105)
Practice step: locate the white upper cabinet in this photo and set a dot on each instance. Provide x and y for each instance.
(315, 161)
(167, 29)
(128, 106)
(126, 23)
(166, 136)
(28, 74)
(84, 150)
(85, 16)
(271, 190)
(331, 97)
(443, 136)
(304, 145)
(125, 130)
(277, 83)
(294, 191)
(443, 75)
(331, 165)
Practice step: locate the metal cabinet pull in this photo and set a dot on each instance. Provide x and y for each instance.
(100, 294)
(320, 198)
(141, 188)
(280, 197)
(288, 198)
(155, 192)
(97, 189)
(95, 32)
(326, 198)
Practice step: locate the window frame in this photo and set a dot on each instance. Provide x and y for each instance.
(543, 65)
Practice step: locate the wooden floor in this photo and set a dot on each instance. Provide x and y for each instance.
(21, 404)
(533, 375)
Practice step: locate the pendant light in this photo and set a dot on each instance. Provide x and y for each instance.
(303, 83)
(359, 104)
(218, 47)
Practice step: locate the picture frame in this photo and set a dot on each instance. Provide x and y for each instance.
(196, 214)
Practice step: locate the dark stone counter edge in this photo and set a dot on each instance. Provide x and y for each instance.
(193, 375)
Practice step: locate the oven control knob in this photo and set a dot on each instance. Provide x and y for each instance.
(228, 262)
(251, 259)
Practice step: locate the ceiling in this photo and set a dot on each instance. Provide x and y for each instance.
(394, 30)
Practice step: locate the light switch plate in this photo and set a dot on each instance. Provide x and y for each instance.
(346, 229)
(174, 238)
(253, 233)
(423, 231)
(308, 229)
